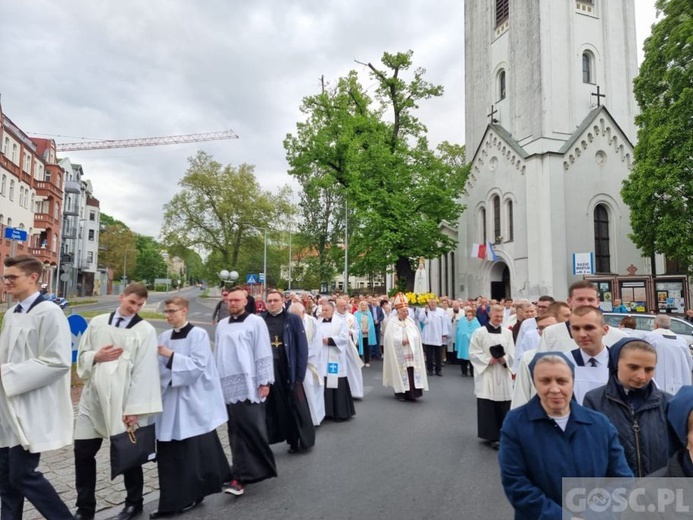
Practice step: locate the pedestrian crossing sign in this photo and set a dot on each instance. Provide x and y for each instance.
(251, 279)
(333, 368)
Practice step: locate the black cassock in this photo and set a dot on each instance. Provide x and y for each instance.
(287, 412)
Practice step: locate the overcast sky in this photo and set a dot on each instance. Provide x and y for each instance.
(130, 68)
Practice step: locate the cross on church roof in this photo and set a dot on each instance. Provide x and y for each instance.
(598, 95)
(492, 115)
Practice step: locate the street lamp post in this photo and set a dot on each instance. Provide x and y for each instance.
(228, 276)
(125, 266)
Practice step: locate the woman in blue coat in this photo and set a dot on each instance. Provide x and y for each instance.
(634, 405)
(465, 328)
(366, 327)
(552, 437)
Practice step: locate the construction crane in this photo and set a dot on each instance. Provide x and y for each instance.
(145, 141)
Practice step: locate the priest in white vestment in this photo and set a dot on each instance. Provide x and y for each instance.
(243, 355)
(193, 408)
(313, 383)
(118, 363)
(404, 368)
(354, 364)
(674, 361)
(491, 352)
(339, 404)
(35, 404)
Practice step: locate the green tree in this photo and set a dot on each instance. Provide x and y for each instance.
(118, 249)
(221, 210)
(194, 266)
(397, 188)
(659, 189)
(150, 264)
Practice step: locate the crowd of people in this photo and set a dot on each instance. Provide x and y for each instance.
(551, 380)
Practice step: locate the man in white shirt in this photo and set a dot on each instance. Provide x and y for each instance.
(436, 329)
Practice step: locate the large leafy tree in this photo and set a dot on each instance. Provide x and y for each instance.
(659, 189)
(150, 263)
(398, 189)
(118, 247)
(222, 210)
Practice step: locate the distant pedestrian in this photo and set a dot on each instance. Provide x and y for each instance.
(221, 310)
(463, 335)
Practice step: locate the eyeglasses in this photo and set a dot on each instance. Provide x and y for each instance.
(170, 311)
(10, 277)
(274, 301)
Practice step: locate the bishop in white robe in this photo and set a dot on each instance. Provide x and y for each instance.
(491, 352)
(190, 458)
(404, 368)
(243, 355)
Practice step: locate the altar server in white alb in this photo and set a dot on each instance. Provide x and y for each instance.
(403, 363)
(491, 352)
(35, 405)
(190, 459)
(354, 364)
(246, 369)
(118, 363)
(339, 404)
(313, 382)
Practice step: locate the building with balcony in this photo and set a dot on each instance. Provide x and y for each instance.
(80, 233)
(31, 197)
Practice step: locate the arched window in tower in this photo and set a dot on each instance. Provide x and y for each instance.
(501, 85)
(482, 225)
(602, 256)
(496, 219)
(511, 224)
(502, 11)
(587, 67)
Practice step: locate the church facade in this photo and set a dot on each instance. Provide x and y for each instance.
(549, 133)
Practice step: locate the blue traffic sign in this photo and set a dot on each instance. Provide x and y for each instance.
(251, 279)
(78, 325)
(16, 234)
(261, 276)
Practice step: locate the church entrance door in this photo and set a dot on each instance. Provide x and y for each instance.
(500, 281)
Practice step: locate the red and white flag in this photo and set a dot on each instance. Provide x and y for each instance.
(479, 251)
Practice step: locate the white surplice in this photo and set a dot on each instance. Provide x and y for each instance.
(35, 359)
(491, 381)
(193, 403)
(436, 324)
(338, 331)
(524, 388)
(313, 383)
(674, 362)
(243, 355)
(353, 360)
(127, 386)
(557, 338)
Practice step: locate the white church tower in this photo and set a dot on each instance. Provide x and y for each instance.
(549, 131)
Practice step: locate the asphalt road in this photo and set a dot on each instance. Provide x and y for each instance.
(403, 461)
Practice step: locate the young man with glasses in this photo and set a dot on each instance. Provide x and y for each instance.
(118, 363)
(244, 360)
(35, 357)
(190, 383)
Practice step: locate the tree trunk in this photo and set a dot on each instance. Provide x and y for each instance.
(405, 274)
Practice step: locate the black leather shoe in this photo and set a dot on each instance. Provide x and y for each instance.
(157, 514)
(129, 512)
(191, 506)
(83, 516)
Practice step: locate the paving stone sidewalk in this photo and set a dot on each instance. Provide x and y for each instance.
(59, 468)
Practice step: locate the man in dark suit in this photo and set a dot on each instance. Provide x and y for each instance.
(287, 412)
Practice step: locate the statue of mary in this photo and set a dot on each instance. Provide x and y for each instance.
(420, 278)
